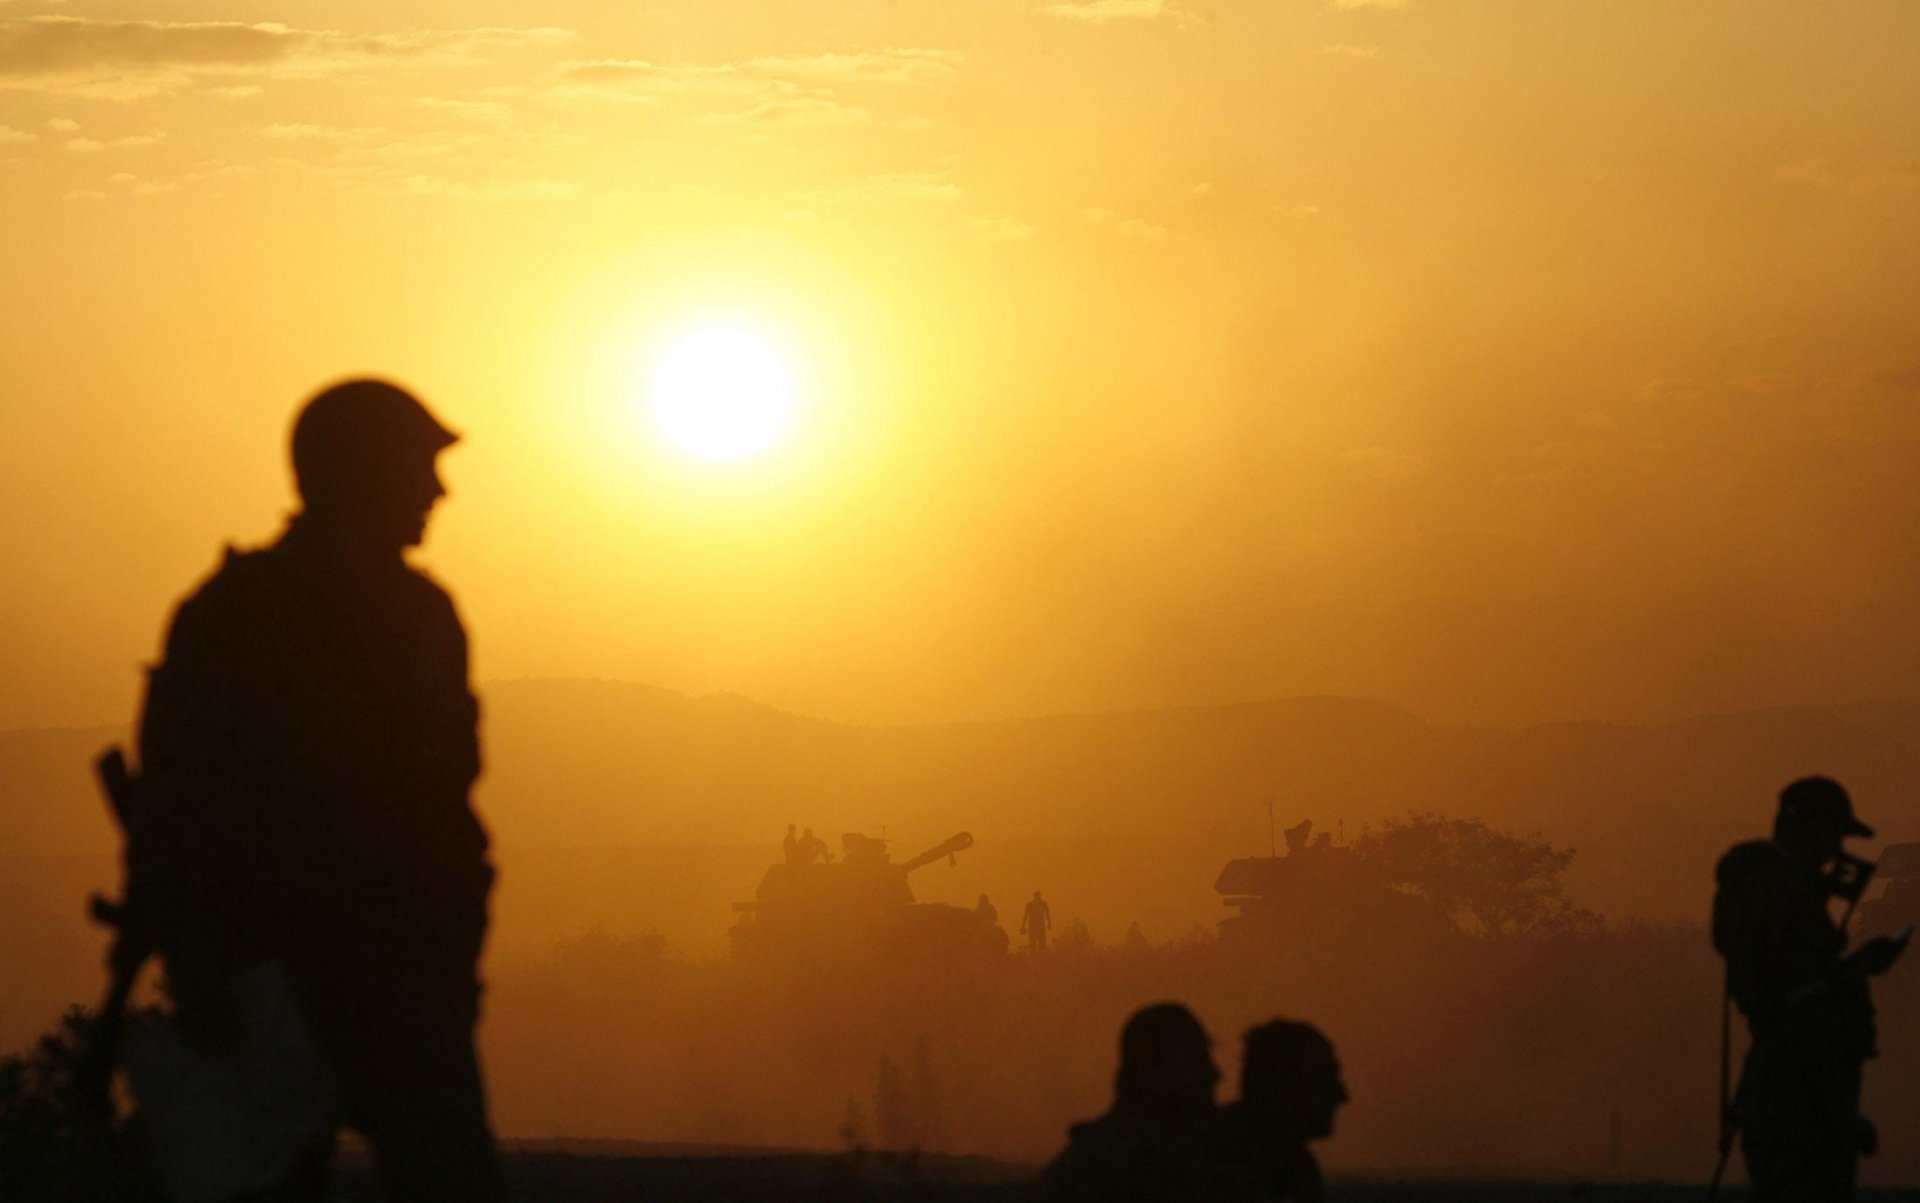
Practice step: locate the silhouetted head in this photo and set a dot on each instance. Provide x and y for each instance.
(363, 459)
(1036, 896)
(1166, 1065)
(789, 828)
(983, 900)
(1815, 816)
(808, 833)
(1290, 1080)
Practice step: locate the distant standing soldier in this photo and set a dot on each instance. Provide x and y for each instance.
(312, 721)
(1805, 998)
(810, 848)
(986, 912)
(790, 847)
(1035, 923)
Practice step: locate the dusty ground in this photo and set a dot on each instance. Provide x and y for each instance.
(585, 1173)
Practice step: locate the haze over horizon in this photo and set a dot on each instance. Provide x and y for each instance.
(1509, 362)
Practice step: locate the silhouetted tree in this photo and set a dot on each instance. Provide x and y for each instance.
(1480, 879)
(1074, 939)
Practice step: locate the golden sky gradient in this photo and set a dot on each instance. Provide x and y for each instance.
(1507, 359)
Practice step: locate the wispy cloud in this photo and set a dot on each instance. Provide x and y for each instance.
(776, 91)
(1135, 229)
(88, 146)
(1381, 465)
(893, 187)
(131, 59)
(644, 79)
(1102, 12)
(793, 112)
(1001, 229)
(1885, 173)
(490, 190)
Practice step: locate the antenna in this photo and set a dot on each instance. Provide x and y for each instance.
(1272, 849)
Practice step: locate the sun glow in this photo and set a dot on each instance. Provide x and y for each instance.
(720, 391)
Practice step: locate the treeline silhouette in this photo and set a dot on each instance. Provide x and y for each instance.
(1514, 1031)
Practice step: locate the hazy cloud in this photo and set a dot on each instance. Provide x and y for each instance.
(1669, 388)
(10, 134)
(1001, 229)
(301, 131)
(490, 190)
(64, 124)
(136, 186)
(87, 146)
(1381, 465)
(894, 187)
(1906, 378)
(129, 59)
(1134, 228)
(781, 91)
(892, 66)
(643, 78)
(1761, 383)
(797, 111)
(1101, 12)
(1887, 173)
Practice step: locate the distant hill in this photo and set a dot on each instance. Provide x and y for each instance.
(1120, 816)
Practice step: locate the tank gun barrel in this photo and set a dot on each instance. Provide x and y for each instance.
(947, 847)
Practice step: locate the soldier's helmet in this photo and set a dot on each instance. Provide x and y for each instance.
(1821, 802)
(353, 437)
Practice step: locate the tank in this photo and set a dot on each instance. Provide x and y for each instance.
(1318, 890)
(856, 909)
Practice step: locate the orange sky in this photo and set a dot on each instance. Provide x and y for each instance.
(1508, 360)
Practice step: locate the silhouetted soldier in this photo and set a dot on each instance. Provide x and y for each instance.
(1035, 922)
(1298, 835)
(1806, 1000)
(790, 847)
(1156, 1143)
(986, 912)
(1290, 1088)
(811, 848)
(313, 719)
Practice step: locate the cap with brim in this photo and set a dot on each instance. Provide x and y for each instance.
(1822, 800)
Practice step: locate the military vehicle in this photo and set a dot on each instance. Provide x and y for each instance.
(859, 909)
(1318, 890)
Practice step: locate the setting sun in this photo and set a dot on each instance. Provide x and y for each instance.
(720, 391)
